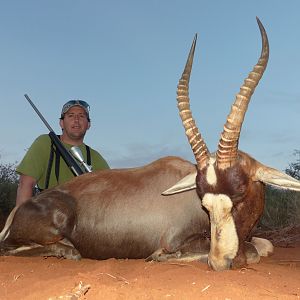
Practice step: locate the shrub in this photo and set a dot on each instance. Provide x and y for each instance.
(282, 209)
(8, 187)
(294, 167)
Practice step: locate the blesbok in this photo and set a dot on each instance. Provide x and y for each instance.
(123, 214)
(229, 180)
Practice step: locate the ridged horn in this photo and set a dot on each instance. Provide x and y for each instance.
(228, 145)
(183, 103)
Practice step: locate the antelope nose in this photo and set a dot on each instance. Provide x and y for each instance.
(220, 265)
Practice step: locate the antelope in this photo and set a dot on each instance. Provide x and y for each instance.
(170, 209)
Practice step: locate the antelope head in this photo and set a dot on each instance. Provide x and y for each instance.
(229, 182)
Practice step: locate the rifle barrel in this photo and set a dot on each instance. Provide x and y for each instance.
(38, 112)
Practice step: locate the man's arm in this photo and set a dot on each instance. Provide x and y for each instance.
(25, 189)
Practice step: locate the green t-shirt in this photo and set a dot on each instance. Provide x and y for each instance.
(35, 162)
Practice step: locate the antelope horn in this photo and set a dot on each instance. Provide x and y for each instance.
(194, 137)
(228, 145)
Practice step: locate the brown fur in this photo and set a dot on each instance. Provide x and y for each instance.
(115, 213)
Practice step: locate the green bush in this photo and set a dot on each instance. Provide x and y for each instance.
(282, 209)
(8, 188)
(294, 167)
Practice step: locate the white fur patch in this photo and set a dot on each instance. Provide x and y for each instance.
(211, 176)
(263, 246)
(224, 238)
(218, 206)
(23, 248)
(192, 257)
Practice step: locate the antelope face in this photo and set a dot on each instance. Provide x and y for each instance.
(220, 191)
(222, 183)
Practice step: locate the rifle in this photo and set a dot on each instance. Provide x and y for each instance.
(68, 158)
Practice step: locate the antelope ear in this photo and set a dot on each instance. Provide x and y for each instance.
(185, 184)
(276, 178)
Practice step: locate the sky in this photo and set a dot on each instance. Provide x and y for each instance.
(125, 57)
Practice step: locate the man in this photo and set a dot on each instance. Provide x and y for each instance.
(43, 166)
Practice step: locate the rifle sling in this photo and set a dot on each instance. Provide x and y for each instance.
(57, 162)
(49, 167)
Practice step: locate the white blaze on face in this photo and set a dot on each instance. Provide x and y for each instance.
(224, 239)
(211, 177)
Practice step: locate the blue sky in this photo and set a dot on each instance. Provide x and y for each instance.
(125, 58)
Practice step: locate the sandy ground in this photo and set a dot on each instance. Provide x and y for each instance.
(275, 277)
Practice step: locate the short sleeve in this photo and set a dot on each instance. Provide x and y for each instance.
(35, 161)
(98, 162)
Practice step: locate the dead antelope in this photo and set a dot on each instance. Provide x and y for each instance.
(123, 214)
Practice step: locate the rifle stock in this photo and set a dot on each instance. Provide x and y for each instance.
(68, 158)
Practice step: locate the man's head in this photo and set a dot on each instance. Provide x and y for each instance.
(74, 121)
(73, 103)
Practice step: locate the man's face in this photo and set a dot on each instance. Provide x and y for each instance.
(75, 123)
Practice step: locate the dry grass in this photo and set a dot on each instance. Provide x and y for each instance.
(284, 237)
